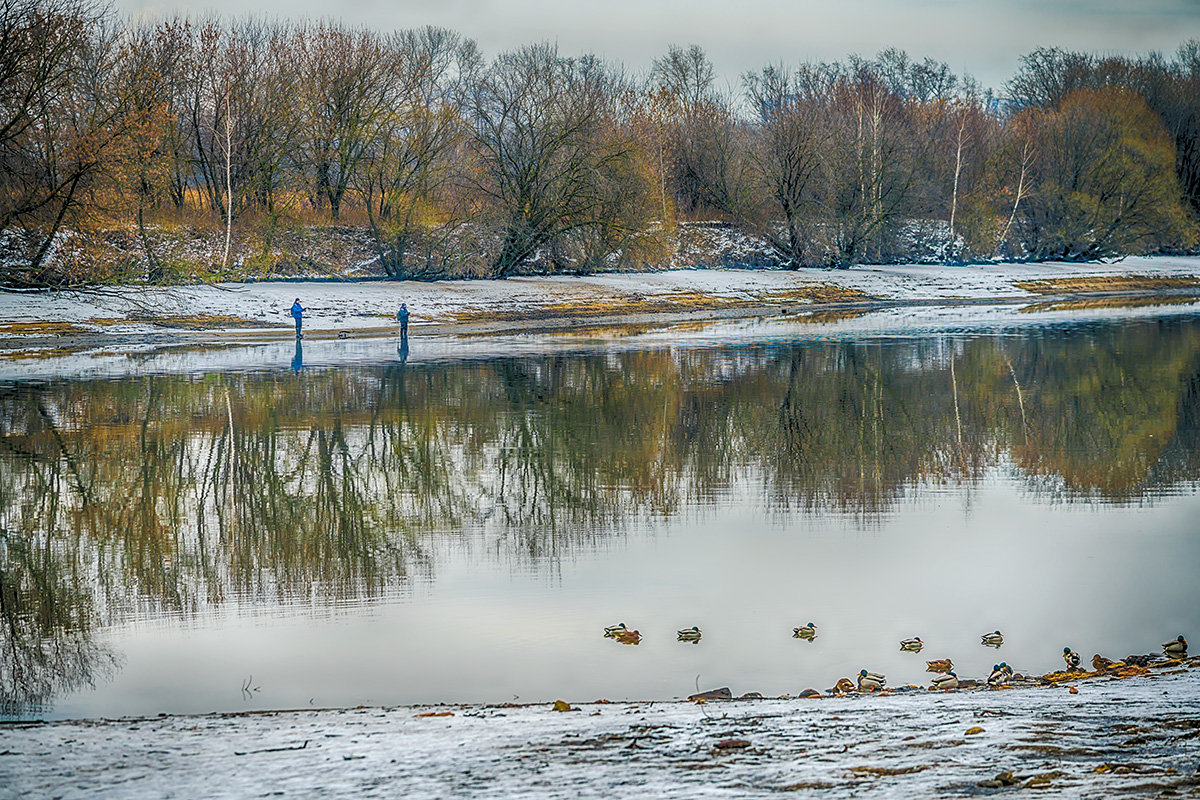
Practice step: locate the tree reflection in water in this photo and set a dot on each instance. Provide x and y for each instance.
(46, 618)
(180, 493)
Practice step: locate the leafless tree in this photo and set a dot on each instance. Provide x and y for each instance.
(538, 133)
(409, 160)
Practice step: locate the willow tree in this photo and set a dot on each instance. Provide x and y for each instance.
(1104, 181)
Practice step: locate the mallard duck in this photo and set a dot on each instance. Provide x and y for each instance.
(1008, 671)
(628, 637)
(947, 681)
(999, 676)
(613, 630)
(843, 686)
(993, 639)
(1102, 664)
(913, 645)
(939, 665)
(691, 634)
(1071, 657)
(1176, 648)
(870, 681)
(808, 631)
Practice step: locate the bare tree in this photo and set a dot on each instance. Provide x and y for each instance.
(347, 90)
(537, 122)
(792, 137)
(409, 159)
(57, 123)
(710, 152)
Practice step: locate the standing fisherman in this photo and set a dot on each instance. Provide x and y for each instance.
(402, 315)
(298, 315)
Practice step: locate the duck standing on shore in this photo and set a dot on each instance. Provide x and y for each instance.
(999, 675)
(1071, 657)
(945, 682)
(808, 632)
(1102, 664)
(870, 681)
(993, 639)
(913, 645)
(1176, 648)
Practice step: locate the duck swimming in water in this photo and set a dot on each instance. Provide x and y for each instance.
(691, 634)
(939, 665)
(870, 681)
(993, 639)
(628, 637)
(808, 631)
(913, 645)
(1071, 657)
(613, 630)
(1176, 648)
(947, 681)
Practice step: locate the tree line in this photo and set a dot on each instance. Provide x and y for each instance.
(454, 164)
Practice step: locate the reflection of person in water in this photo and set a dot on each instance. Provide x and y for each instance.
(298, 359)
(402, 348)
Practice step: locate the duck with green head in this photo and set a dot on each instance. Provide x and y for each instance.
(870, 681)
(993, 639)
(1177, 648)
(1071, 657)
(913, 645)
(691, 634)
(947, 681)
(998, 676)
(808, 631)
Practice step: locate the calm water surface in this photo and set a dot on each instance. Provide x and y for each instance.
(386, 533)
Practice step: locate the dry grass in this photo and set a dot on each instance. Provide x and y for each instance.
(820, 293)
(1109, 283)
(1084, 303)
(197, 322)
(37, 355)
(670, 302)
(39, 328)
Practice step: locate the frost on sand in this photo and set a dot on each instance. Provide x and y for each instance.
(1113, 738)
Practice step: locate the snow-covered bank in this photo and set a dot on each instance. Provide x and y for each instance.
(1136, 737)
(195, 353)
(190, 311)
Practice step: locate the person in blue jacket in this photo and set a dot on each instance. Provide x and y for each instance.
(298, 315)
(402, 315)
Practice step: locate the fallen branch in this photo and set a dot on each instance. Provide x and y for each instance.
(270, 749)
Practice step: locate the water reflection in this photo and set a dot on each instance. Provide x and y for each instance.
(181, 494)
(46, 618)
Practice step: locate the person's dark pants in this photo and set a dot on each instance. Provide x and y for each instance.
(297, 326)
(404, 328)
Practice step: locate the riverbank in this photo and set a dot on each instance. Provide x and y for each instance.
(1136, 738)
(259, 311)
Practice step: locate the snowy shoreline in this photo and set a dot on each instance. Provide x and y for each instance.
(1136, 737)
(257, 310)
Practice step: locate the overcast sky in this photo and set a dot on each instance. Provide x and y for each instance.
(982, 37)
